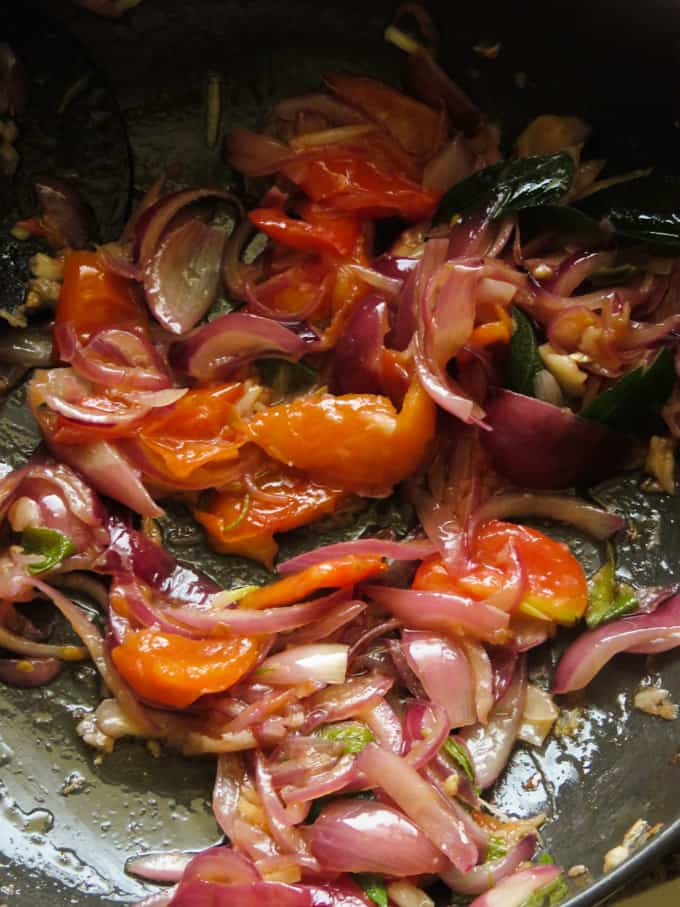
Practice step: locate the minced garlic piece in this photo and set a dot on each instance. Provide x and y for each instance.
(660, 462)
(655, 701)
(564, 369)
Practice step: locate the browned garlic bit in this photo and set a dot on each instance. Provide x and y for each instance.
(655, 701)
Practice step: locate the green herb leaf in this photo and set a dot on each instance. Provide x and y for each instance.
(546, 858)
(286, 377)
(524, 362)
(51, 545)
(512, 185)
(608, 598)
(457, 752)
(353, 735)
(630, 404)
(647, 208)
(496, 849)
(562, 219)
(374, 887)
(548, 895)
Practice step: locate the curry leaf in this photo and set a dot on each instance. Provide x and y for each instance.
(609, 599)
(496, 849)
(286, 377)
(353, 735)
(549, 895)
(510, 186)
(374, 886)
(629, 404)
(51, 545)
(459, 754)
(647, 208)
(524, 362)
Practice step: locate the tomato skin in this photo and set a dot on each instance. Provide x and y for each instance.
(356, 441)
(319, 232)
(557, 589)
(93, 298)
(193, 444)
(342, 571)
(174, 670)
(418, 128)
(349, 182)
(238, 522)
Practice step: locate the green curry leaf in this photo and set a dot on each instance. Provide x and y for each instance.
(524, 362)
(353, 735)
(374, 887)
(609, 599)
(52, 546)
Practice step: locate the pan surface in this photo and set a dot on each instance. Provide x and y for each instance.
(68, 823)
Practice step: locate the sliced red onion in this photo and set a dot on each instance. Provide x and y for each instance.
(453, 163)
(343, 892)
(326, 627)
(444, 671)
(64, 209)
(160, 867)
(490, 745)
(377, 631)
(540, 445)
(431, 84)
(222, 865)
(398, 551)
(144, 402)
(395, 267)
(644, 335)
(343, 773)
(227, 791)
(601, 524)
(514, 890)
(386, 727)
(158, 898)
(260, 710)
(575, 269)
(427, 727)
(333, 110)
(389, 286)
(440, 611)
(349, 700)
(255, 154)
(483, 681)
(326, 662)
(248, 622)
(489, 875)
(30, 649)
(113, 357)
(182, 276)
(358, 356)
(254, 894)
(153, 222)
(280, 819)
(592, 650)
(420, 803)
(27, 673)
(360, 836)
(110, 472)
(217, 349)
(503, 663)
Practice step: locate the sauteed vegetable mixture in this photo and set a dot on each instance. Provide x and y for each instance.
(391, 306)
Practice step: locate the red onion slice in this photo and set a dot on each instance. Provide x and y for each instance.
(28, 673)
(439, 611)
(384, 724)
(182, 277)
(160, 867)
(349, 700)
(358, 356)
(335, 779)
(539, 445)
(490, 745)
(325, 662)
(113, 357)
(398, 551)
(562, 508)
(280, 819)
(255, 894)
(592, 650)
(64, 209)
(420, 803)
(227, 791)
(444, 671)
(427, 727)
(483, 680)
(217, 349)
(489, 875)
(516, 889)
(360, 836)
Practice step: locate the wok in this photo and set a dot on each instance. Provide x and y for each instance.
(67, 824)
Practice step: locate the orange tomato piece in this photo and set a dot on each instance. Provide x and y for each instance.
(195, 443)
(93, 298)
(418, 128)
(342, 571)
(173, 670)
(358, 442)
(238, 522)
(557, 589)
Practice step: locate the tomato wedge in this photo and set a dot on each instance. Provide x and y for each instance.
(343, 571)
(244, 521)
(557, 589)
(173, 670)
(358, 442)
(320, 231)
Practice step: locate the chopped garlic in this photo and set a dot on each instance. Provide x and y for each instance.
(564, 369)
(569, 723)
(45, 266)
(655, 701)
(660, 462)
(637, 835)
(540, 714)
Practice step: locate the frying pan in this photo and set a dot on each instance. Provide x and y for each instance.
(67, 824)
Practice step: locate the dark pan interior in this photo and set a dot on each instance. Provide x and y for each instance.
(616, 64)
